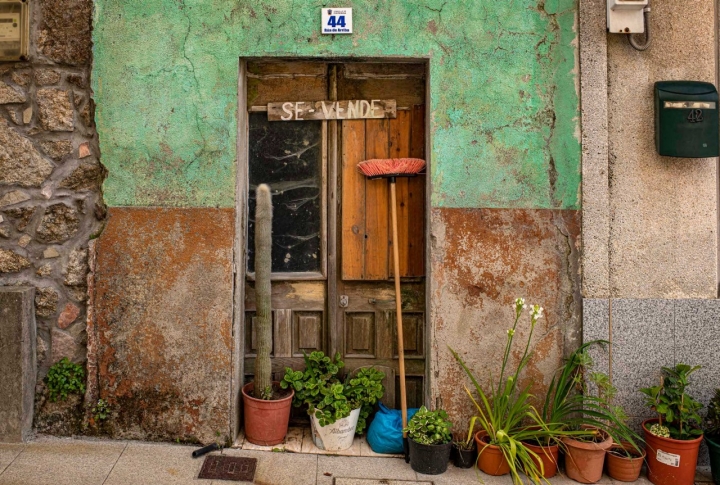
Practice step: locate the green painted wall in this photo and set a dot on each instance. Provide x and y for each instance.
(504, 105)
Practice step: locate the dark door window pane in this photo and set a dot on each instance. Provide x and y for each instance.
(287, 155)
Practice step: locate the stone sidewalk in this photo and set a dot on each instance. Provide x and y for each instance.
(58, 461)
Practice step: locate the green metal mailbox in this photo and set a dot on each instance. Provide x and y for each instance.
(686, 119)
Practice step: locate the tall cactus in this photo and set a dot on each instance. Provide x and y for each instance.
(263, 289)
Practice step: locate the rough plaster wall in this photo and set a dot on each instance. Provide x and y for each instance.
(503, 96)
(663, 211)
(482, 260)
(595, 172)
(50, 176)
(163, 299)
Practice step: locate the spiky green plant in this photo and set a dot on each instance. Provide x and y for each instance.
(505, 412)
(263, 292)
(571, 405)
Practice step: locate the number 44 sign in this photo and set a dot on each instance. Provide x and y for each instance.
(336, 20)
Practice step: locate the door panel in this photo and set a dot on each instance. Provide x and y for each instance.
(299, 323)
(353, 201)
(365, 212)
(377, 238)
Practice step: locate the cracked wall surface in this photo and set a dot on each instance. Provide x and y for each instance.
(504, 152)
(503, 98)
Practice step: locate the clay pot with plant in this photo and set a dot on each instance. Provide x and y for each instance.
(624, 459)
(430, 441)
(266, 404)
(581, 418)
(712, 435)
(510, 424)
(673, 438)
(338, 408)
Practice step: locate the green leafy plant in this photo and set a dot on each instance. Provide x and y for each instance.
(101, 410)
(65, 377)
(677, 409)
(506, 412)
(429, 427)
(579, 398)
(712, 419)
(330, 398)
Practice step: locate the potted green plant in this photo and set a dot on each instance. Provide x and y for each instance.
(673, 438)
(624, 459)
(506, 415)
(464, 450)
(584, 423)
(712, 435)
(338, 408)
(430, 441)
(266, 405)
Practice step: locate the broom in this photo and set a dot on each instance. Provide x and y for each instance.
(391, 168)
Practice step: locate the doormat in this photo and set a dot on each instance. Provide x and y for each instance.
(235, 468)
(366, 481)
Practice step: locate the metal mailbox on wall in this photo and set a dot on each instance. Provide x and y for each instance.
(686, 119)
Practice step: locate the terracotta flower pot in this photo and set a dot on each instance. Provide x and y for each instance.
(622, 467)
(670, 461)
(549, 456)
(490, 457)
(266, 422)
(584, 459)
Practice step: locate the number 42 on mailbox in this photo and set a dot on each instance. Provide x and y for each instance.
(336, 20)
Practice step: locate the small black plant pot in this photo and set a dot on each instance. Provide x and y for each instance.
(429, 459)
(713, 444)
(464, 457)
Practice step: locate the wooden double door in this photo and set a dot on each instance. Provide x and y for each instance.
(333, 286)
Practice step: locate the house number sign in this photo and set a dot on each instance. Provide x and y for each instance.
(354, 109)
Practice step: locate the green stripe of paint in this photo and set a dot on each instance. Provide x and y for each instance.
(504, 106)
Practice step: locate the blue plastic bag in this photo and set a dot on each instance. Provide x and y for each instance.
(385, 432)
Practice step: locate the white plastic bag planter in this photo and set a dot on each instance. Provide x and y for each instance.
(337, 436)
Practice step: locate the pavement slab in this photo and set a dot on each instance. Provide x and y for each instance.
(149, 464)
(279, 468)
(63, 462)
(370, 481)
(8, 452)
(362, 467)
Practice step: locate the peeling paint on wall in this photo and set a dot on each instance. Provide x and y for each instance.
(502, 92)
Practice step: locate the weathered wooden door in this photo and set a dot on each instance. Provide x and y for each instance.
(332, 245)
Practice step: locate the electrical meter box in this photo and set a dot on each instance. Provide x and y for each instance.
(686, 119)
(14, 30)
(626, 16)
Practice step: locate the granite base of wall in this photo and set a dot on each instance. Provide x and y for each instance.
(647, 334)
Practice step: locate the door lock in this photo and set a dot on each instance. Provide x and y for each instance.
(344, 301)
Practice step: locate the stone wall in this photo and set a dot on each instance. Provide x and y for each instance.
(50, 175)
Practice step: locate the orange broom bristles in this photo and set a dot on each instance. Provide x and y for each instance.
(391, 167)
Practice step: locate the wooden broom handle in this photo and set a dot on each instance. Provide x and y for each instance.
(398, 306)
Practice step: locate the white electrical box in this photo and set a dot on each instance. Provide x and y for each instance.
(14, 30)
(626, 16)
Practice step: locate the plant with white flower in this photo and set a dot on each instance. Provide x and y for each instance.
(519, 306)
(506, 406)
(535, 314)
